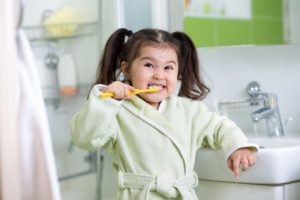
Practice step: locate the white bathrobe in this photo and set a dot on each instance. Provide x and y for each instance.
(153, 150)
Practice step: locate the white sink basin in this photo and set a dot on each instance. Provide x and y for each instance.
(277, 162)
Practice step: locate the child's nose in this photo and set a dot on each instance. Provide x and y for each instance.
(158, 75)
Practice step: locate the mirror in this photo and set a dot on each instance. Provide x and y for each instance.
(241, 22)
(212, 23)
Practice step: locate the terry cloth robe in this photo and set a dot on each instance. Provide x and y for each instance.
(153, 150)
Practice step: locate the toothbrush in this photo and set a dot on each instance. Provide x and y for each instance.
(137, 91)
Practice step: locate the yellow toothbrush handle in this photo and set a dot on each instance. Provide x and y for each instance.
(137, 91)
(106, 95)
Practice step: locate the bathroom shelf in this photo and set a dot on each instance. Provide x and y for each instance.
(52, 97)
(60, 31)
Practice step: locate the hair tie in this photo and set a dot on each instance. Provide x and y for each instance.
(129, 33)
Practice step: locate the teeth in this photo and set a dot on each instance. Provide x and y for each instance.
(156, 86)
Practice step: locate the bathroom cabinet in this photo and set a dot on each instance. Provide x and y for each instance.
(214, 190)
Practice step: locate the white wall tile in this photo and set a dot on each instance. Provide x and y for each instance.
(228, 70)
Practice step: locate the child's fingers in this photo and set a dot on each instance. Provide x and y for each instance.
(120, 90)
(118, 93)
(247, 161)
(251, 160)
(244, 163)
(131, 88)
(236, 166)
(229, 164)
(128, 90)
(241, 159)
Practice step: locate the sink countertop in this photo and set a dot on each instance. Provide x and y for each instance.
(276, 162)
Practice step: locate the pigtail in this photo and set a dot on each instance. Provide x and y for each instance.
(110, 60)
(192, 85)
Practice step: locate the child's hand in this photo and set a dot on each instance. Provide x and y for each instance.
(243, 158)
(120, 90)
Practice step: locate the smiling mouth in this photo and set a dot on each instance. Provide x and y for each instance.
(160, 87)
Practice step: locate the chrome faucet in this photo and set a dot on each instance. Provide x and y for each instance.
(269, 111)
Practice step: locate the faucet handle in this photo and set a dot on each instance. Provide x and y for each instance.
(286, 121)
(253, 88)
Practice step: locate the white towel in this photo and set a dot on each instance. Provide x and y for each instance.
(39, 175)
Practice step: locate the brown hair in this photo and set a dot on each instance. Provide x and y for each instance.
(117, 49)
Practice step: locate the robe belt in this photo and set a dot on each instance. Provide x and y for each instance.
(162, 184)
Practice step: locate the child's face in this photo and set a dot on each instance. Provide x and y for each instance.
(154, 67)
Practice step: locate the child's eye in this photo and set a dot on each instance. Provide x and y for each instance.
(148, 65)
(169, 67)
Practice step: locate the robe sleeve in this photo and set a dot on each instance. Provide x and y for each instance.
(95, 126)
(217, 131)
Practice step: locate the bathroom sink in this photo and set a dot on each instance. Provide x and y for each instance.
(277, 162)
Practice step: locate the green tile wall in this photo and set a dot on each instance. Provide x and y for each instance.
(267, 8)
(267, 32)
(226, 35)
(202, 31)
(265, 27)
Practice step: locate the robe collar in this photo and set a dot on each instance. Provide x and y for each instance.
(160, 120)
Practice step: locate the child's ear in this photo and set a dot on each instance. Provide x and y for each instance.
(125, 69)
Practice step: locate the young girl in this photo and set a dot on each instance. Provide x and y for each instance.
(154, 137)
